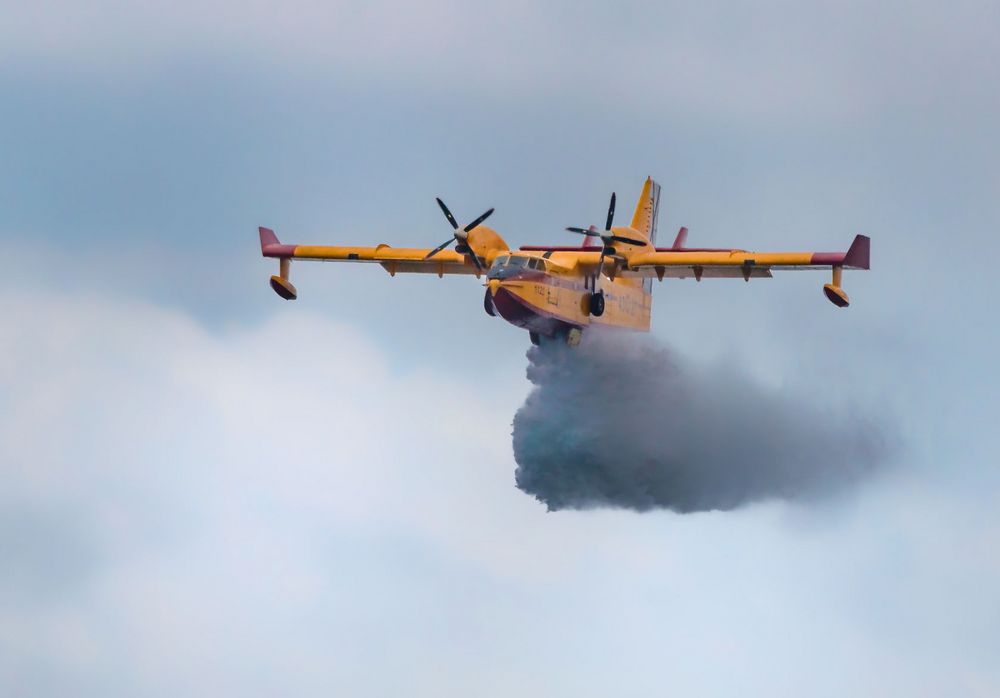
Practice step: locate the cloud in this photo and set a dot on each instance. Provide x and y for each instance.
(291, 505)
(285, 507)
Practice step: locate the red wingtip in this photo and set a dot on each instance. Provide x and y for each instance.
(681, 239)
(270, 246)
(267, 237)
(859, 253)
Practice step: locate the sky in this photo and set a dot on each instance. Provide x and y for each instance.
(208, 489)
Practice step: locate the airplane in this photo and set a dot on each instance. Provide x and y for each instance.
(557, 292)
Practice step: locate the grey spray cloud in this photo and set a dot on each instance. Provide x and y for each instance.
(621, 421)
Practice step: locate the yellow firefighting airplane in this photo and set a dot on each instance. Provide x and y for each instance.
(557, 292)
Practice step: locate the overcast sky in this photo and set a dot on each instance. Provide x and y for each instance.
(210, 490)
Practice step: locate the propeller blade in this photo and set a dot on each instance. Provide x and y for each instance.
(441, 246)
(582, 231)
(475, 259)
(479, 220)
(447, 214)
(611, 212)
(629, 241)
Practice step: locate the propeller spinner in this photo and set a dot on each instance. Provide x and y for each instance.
(460, 236)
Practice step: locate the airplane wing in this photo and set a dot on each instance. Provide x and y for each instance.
(682, 263)
(395, 260)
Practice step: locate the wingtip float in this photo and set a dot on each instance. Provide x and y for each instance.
(558, 291)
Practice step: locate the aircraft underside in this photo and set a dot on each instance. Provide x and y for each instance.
(520, 313)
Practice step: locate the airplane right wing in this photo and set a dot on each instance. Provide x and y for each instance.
(701, 264)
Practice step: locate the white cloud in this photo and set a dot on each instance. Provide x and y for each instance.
(284, 509)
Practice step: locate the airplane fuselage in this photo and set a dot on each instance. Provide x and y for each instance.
(551, 300)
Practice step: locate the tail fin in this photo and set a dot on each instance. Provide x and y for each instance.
(681, 239)
(647, 210)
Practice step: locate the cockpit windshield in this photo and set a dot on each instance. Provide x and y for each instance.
(510, 264)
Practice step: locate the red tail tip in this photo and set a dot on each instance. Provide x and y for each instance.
(267, 237)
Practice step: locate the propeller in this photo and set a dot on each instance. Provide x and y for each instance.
(607, 237)
(461, 235)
